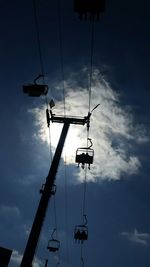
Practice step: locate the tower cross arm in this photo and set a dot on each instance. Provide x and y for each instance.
(68, 119)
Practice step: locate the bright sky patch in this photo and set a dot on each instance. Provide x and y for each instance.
(112, 129)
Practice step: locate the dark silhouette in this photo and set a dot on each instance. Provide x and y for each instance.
(47, 191)
(35, 89)
(89, 9)
(81, 233)
(5, 255)
(84, 156)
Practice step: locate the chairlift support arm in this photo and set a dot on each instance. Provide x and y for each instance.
(71, 120)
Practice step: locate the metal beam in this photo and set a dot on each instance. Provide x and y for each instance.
(67, 119)
(43, 204)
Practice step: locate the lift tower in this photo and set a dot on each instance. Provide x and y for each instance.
(47, 191)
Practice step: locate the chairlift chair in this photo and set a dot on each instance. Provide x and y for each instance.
(84, 155)
(53, 245)
(89, 8)
(35, 89)
(81, 233)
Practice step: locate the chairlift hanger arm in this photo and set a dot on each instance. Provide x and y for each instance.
(38, 77)
(85, 218)
(52, 235)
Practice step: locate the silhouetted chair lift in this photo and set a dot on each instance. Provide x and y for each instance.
(53, 244)
(89, 9)
(81, 232)
(84, 156)
(35, 89)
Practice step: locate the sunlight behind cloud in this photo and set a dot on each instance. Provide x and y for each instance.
(112, 129)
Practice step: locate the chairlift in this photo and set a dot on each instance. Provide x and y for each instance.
(35, 89)
(89, 9)
(85, 155)
(81, 232)
(53, 244)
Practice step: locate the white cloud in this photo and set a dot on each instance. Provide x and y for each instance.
(17, 257)
(112, 129)
(137, 237)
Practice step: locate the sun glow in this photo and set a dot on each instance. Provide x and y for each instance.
(112, 130)
(73, 141)
(76, 136)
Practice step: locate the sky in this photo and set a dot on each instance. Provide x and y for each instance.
(117, 199)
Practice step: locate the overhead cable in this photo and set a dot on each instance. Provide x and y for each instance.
(61, 51)
(59, 9)
(91, 62)
(38, 37)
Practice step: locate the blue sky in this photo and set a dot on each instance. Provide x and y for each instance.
(117, 196)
